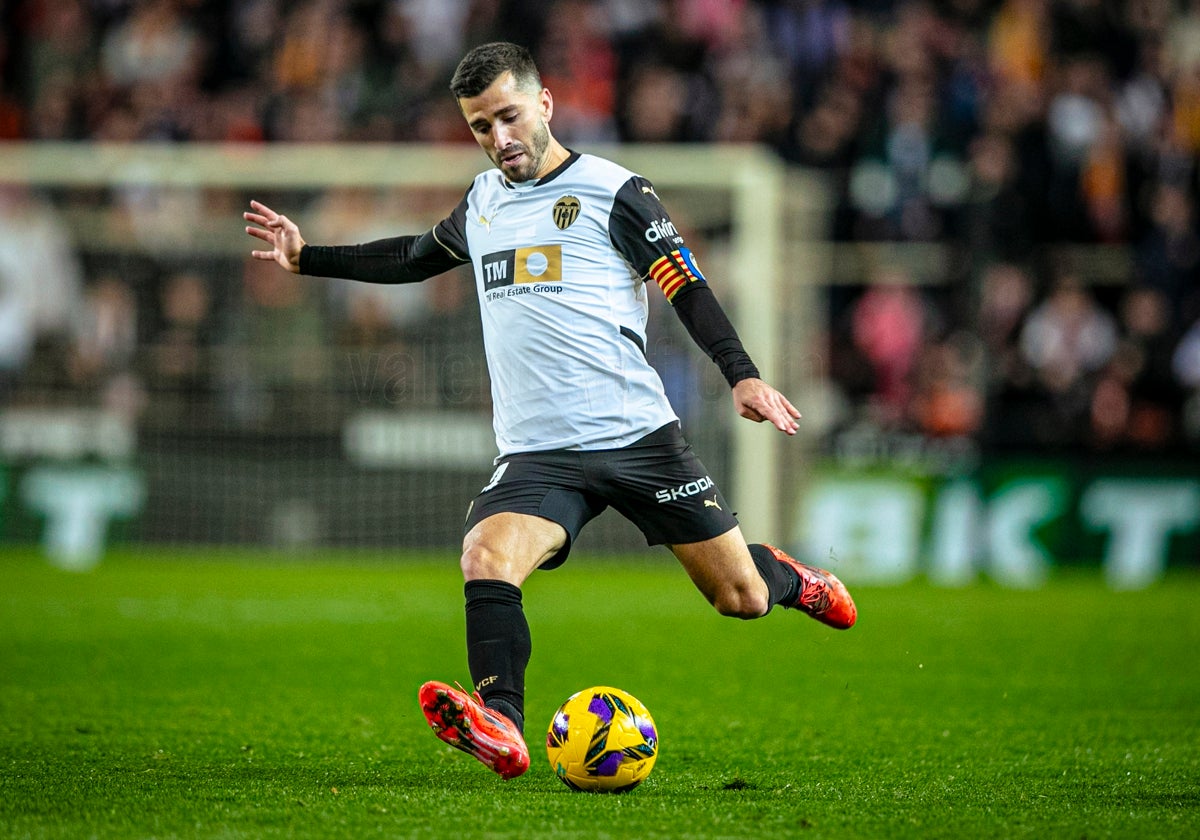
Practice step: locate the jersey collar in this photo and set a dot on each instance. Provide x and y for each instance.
(545, 179)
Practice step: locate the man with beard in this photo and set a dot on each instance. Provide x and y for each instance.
(562, 245)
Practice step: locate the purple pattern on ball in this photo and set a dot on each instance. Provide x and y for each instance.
(600, 709)
(561, 724)
(647, 730)
(610, 764)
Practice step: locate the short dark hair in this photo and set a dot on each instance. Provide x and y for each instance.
(487, 62)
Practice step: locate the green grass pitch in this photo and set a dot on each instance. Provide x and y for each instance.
(187, 695)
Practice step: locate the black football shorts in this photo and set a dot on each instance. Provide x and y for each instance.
(657, 483)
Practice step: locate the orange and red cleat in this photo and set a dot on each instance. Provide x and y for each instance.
(822, 595)
(462, 721)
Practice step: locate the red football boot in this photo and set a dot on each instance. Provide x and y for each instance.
(822, 595)
(461, 720)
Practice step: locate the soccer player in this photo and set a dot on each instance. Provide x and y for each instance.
(563, 247)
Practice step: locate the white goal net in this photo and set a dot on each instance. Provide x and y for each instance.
(226, 402)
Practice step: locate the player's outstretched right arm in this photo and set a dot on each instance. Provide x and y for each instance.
(279, 232)
(398, 259)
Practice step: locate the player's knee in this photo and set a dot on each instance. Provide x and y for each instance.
(479, 562)
(744, 602)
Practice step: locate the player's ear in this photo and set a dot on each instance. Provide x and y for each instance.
(547, 104)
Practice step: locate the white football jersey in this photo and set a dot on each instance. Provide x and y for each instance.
(560, 267)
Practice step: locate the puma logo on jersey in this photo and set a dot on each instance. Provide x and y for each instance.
(664, 228)
(712, 503)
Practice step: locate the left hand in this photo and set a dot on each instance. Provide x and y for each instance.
(756, 400)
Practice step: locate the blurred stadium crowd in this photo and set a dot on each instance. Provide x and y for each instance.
(1003, 130)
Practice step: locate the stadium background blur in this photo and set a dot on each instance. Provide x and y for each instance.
(1011, 201)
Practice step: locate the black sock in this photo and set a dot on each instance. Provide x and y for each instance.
(783, 584)
(498, 646)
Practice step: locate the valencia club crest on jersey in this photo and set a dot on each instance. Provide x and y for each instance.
(566, 211)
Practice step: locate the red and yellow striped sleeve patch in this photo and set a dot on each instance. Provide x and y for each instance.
(674, 271)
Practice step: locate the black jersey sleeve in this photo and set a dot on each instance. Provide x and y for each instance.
(710, 328)
(397, 259)
(642, 231)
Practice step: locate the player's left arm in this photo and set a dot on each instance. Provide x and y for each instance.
(642, 231)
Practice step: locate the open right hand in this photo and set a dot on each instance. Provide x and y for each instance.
(279, 232)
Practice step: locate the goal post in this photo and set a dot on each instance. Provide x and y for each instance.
(768, 216)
